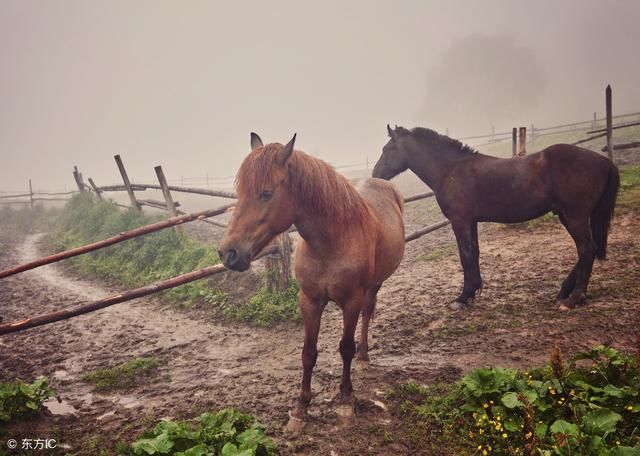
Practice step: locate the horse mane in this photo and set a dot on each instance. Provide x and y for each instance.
(440, 142)
(315, 185)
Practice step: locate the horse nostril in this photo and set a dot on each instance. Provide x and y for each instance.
(232, 256)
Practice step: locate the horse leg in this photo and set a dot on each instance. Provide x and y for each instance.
(570, 282)
(476, 278)
(368, 309)
(469, 257)
(580, 231)
(311, 313)
(350, 313)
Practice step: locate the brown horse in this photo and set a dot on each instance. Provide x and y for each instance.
(578, 185)
(352, 241)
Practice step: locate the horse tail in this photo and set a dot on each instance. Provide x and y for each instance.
(603, 212)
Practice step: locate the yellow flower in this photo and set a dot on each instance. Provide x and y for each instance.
(485, 405)
(617, 442)
(491, 402)
(629, 407)
(528, 435)
(479, 447)
(485, 452)
(498, 417)
(504, 435)
(481, 431)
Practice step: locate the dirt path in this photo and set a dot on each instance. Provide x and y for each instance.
(415, 336)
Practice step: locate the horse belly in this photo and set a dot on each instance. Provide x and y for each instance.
(387, 206)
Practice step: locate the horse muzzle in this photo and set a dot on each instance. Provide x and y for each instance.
(234, 259)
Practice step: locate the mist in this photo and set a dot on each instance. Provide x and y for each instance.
(183, 84)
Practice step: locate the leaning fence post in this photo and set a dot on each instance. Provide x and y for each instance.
(609, 123)
(514, 141)
(78, 178)
(168, 199)
(95, 189)
(523, 142)
(132, 197)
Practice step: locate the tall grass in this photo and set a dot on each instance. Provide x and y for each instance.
(135, 262)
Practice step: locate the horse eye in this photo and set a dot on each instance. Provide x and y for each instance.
(266, 195)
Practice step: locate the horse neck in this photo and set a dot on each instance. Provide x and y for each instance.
(324, 231)
(431, 165)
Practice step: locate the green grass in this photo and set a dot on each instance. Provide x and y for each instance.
(266, 308)
(139, 261)
(439, 252)
(629, 196)
(588, 406)
(123, 375)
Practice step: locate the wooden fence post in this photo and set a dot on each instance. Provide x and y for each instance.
(532, 134)
(522, 150)
(593, 124)
(95, 188)
(278, 267)
(78, 178)
(609, 123)
(30, 194)
(168, 199)
(132, 197)
(514, 141)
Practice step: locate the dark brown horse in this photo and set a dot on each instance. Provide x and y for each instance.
(578, 185)
(351, 242)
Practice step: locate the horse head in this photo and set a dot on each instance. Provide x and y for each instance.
(265, 206)
(394, 159)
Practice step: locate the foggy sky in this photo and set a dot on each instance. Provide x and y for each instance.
(182, 84)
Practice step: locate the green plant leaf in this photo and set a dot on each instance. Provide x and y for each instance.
(563, 427)
(541, 429)
(601, 421)
(511, 401)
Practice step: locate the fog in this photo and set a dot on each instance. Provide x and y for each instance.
(182, 84)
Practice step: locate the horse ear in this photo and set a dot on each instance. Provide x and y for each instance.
(286, 151)
(255, 141)
(392, 134)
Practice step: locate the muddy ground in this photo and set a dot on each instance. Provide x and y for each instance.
(415, 336)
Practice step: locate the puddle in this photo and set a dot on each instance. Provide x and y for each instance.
(59, 408)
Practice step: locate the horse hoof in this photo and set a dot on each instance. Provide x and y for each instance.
(362, 364)
(345, 411)
(564, 305)
(295, 425)
(457, 306)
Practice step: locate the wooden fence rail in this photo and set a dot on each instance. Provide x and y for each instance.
(114, 240)
(65, 314)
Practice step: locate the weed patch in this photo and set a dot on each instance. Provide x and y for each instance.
(227, 433)
(589, 406)
(123, 375)
(265, 308)
(19, 399)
